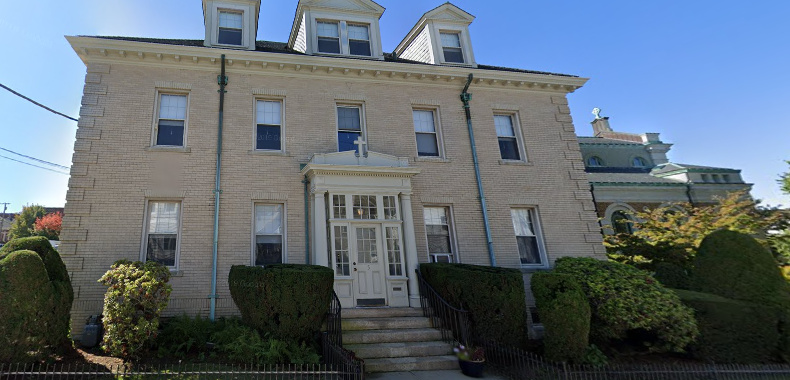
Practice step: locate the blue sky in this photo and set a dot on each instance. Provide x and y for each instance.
(710, 76)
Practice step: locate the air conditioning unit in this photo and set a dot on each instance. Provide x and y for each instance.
(441, 258)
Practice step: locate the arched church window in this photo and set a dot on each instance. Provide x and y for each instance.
(621, 223)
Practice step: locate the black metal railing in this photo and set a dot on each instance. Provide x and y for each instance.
(334, 326)
(454, 323)
(332, 344)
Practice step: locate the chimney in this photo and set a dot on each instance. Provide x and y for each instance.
(601, 126)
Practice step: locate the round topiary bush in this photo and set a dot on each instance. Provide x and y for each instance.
(628, 306)
(565, 314)
(672, 276)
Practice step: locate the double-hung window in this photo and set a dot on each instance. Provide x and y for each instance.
(171, 122)
(437, 229)
(161, 232)
(230, 27)
(328, 37)
(508, 140)
(349, 127)
(268, 130)
(269, 233)
(358, 39)
(425, 131)
(451, 47)
(527, 236)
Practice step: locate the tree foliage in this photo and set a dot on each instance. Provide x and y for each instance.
(784, 181)
(24, 222)
(49, 226)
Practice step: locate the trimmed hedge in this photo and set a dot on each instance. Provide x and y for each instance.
(733, 331)
(286, 301)
(565, 314)
(495, 298)
(52, 317)
(672, 276)
(629, 306)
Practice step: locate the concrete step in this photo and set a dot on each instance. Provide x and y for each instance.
(398, 350)
(356, 324)
(391, 336)
(427, 363)
(381, 312)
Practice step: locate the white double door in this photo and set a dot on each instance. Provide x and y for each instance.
(368, 267)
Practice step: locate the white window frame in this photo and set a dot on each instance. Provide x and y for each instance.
(516, 123)
(370, 22)
(537, 230)
(362, 125)
(460, 35)
(146, 224)
(339, 36)
(255, 124)
(157, 110)
(284, 233)
(349, 39)
(437, 125)
(454, 256)
(243, 22)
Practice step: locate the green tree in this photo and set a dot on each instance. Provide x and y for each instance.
(780, 240)
(784, 181)
(24, 222)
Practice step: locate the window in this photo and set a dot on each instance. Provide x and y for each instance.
(390, 207)
(269, 231)
(437, 229)
(524, 224)
(716, 178)
(365, 207)
(392, 235)
(508, 142)
(268, 133)
(328, 37)
(594, 161)
(171, 124)
(230, 25)
(341, 251)
(339, 206)
(425, 130)
(639, 162)
(725, 178)
(358, 40)
(705, 178)
(451, 46)
(349, 127)
(621, 224)
(161, 232)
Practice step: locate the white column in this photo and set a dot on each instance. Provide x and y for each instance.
(411, 250)
(320, 255)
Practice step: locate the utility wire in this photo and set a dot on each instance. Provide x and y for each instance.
(40, 167)
(37, 103)
(36, 159)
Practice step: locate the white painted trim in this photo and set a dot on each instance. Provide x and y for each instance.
(158, 98)
(538, 226)
(284, 203)
(283, 140)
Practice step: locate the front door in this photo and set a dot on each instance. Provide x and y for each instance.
(368, 266)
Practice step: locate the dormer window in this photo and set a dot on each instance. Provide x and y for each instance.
(451, 46)
(358, 40)
(230, 28)
(328, 37)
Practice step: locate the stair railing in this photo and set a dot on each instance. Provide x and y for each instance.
(454, 323)
(334, 327)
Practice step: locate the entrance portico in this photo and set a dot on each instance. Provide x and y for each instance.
(363, 227)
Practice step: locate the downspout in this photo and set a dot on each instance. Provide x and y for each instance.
(222, 80)
(595, 206)
(466, 97)
(306, 183)
(688, 194)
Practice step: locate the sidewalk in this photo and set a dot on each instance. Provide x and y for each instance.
(426, 375)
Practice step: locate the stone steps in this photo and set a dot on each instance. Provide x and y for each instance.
(358, 324)
(425, 363)
(381, 312)
(402, 349)
(391, 336)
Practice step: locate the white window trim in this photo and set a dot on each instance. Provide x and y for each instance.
(147, 220)
(610, 210)
(349, 197)
(255, 100)
(362, 124)
(437, 124)
(466, 44)
(514, 118)
(460, 42)
(284, 234)
(451, 228)
(245, 25)
(404, 268)
(373, 34)
(155, 124)
(348, 39)
(537, 225)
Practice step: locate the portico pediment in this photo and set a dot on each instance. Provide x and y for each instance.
(350, 172)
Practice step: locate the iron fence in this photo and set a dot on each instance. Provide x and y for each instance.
(451, 321)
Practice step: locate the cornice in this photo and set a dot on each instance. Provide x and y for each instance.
(312, 170)
(91, 49)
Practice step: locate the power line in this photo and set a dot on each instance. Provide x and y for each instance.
(37, 103)
(40, 167)
(36, 159)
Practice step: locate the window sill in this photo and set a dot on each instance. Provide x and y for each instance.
(431, 159)
(515, 162)
(267, 153)
(363, 57)
(176, 273)
(178, 149)
(534, 269)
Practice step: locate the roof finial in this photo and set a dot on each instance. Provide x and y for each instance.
(597, 112)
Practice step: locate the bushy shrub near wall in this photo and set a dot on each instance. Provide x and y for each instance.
(494, 296)
(672, 276)
(288, 302)
(25, 287)
(733, 331)
(630, 306)
(136, 295)
(565, 314)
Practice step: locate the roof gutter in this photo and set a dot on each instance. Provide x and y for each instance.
(222, 80)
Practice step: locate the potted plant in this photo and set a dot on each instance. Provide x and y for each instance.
(471, 359)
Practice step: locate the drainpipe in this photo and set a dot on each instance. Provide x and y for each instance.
(595, 206)
(466, 97)
(306, 183)
(222, 80)
(688, 194)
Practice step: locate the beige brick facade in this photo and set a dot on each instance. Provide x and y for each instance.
(116, 171)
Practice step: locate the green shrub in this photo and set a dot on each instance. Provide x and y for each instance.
(286, 302)
(494, 296)
(672, 276)
(565, 314)
(733, 331)
(184, 335)
(243, 344)
(629, 306)
(25, 294)
(136, 295)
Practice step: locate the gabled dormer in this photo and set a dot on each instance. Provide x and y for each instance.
(441, 36)
(337, 28)
(231, 23)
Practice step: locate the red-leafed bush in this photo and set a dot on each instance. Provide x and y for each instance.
(49, 226)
